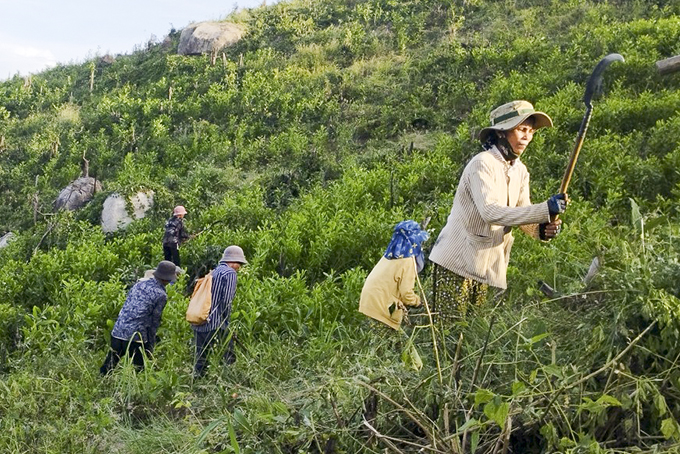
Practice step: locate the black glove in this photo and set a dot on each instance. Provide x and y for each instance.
(549, 230)
(557, 204)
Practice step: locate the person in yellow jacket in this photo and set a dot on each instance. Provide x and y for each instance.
(389, 287)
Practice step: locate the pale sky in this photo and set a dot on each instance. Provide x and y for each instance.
(38, 34)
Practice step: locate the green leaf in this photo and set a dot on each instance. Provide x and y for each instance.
(518, 387)
(635, 216)
(660, 404)
(232, 437)
(538, 337)
(483, 396)
(549, 433)
(497, 412)
(241, 420)
(600, 405)
(670, 429)
(474, 441)
(553, 370)
(609, 401)
(532, 376)
(655, 222)
(410, 357)
(471, 423)
(202, 436)
(566, 443)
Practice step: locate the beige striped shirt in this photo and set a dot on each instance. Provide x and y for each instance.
(492, 196)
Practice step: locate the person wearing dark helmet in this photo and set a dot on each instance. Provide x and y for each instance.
(134, 333)
(216, 330)
(175, 234)
(473, 249)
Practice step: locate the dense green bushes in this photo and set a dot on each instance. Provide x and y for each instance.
(305, 143)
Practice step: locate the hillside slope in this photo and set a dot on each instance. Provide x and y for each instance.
(305, 143)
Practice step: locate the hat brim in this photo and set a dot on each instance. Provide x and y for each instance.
(234, 260)
(171, 277)
(541, 120)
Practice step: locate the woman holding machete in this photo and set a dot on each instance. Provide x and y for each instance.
(473, 249)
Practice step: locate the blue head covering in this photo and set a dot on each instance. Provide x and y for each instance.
(407, 241)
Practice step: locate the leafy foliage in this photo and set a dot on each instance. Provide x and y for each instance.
(328, 123)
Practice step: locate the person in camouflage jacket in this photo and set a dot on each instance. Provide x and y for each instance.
(175, 235)
(134, 333)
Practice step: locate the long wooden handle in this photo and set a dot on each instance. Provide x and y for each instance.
(592, 86)
(566, 179)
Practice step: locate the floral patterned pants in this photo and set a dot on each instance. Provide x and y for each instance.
(454, 294)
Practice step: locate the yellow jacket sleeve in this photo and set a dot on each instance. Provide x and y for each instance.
(407, 283)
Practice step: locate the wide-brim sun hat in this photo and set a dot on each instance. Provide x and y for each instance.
(179, 210)
(166, 271)
(148, 274)
(512, 114)
(234, 254)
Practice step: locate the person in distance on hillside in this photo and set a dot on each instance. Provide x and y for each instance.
(473, 249)
(134, 333)
(389, 287)
(216, 330)
(175, 235)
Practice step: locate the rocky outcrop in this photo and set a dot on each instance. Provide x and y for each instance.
(141, 203)
(77, 194)
(115, 214)
(208, 37)
(6, 239)
(107, 60)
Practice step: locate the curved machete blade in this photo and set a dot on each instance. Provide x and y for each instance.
(595, 81)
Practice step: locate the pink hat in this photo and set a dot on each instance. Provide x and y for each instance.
(179, 209)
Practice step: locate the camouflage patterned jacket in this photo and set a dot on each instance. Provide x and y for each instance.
(175, 233)
(140, 316)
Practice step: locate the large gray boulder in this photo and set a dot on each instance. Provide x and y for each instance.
(77, 194)
(6, 239)
(115, 214)
(141, 203)
(208, 37)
